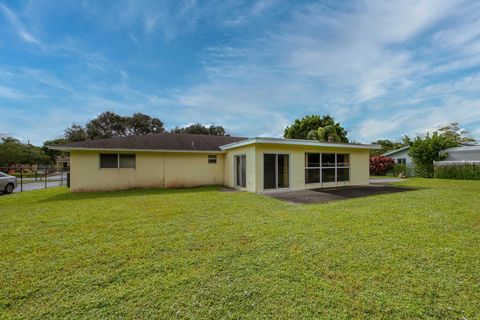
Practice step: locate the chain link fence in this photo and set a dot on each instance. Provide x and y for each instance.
(34, 177)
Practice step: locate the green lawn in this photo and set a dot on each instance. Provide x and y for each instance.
(206, 254)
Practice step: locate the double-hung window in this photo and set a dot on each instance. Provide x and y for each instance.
(117, 160)
(327, 167)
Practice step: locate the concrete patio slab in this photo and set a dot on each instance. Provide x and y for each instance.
(335, 194)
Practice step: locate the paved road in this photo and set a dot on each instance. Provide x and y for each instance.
(38, 185)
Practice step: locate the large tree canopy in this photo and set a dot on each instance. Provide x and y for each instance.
(199, 128)
(109, 124)
(12, 151)
(308, 128)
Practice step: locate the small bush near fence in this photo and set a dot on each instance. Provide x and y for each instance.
(458, 171)
(403, 170)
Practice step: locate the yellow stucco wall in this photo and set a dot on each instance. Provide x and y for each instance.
(229, 174)
(183, 169)
(359, 166)
(153, 170)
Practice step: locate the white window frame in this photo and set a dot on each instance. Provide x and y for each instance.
(321, 167)
(276, 171)
(212, 159)
(235, 170)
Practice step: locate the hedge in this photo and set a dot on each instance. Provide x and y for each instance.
(467, 171)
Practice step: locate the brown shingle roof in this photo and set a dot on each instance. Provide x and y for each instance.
(159, 141)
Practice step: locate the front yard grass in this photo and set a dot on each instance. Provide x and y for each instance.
(202, 253)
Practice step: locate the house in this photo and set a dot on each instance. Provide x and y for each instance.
(169, 160)
(400, 156)
(62, 162)
(464, 153)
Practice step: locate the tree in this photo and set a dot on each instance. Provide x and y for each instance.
(75, 133)
(327, 134)
(386, 145)
(199, 128)
(53, 153)
(453, 132)
(109, 124)
(307, 128)
(12, 151)
(142, 124)
(106, 125)
(424, 151)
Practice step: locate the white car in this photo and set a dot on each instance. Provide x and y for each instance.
(7, 183)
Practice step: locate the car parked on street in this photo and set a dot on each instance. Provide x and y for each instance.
(7, 183)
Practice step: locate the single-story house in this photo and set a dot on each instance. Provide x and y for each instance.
(463, 153)
(400, 156)
(169, 160)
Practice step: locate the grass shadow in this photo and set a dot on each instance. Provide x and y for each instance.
(75, 196)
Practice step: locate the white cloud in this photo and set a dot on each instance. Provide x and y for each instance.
(421, 120)
(19, 27)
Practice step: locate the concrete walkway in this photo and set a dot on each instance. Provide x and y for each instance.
(386, 180)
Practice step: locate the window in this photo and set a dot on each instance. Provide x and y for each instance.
(312, 167)
(2, 174)
(115, 161)
(108, 160)
(327, 167)
(127, 161)
(212, 158)
(343, 167)
(402, 161)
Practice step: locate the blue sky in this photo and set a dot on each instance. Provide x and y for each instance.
(381, 68)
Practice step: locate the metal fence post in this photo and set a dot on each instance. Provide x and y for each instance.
(45, 169)
(21, 180)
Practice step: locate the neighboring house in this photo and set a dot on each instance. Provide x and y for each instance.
(62, 162)
(168, 160)
(467, 153)
(400, 156)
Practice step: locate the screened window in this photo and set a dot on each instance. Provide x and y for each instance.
(327, 167)
(108, 160)
(115, 161)
(127, 161)
(212, 158)
(402, 161)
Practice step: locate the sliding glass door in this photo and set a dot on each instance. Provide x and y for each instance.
(276, 172)
(241, 171)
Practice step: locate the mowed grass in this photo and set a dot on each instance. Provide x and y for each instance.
(206, 254)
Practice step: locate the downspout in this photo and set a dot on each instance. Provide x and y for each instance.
(164, 172)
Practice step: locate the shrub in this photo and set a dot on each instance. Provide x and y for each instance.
(381, 165)
(402, 169)
(458, 172)
(424, 170)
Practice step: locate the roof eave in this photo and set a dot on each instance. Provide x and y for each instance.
(69, 149)
(386, 154)
(297, 142)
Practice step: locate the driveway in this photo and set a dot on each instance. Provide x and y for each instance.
(335, 194)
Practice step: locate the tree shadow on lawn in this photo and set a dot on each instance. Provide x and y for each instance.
(74, 196)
